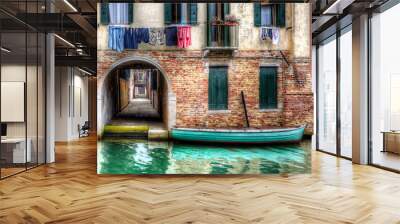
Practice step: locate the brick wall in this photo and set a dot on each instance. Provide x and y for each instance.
(187, 72)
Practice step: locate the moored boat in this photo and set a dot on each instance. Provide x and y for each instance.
(242, 136)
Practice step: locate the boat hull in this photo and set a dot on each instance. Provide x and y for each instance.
(290, 135)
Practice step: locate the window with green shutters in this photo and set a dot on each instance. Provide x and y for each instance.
(218, 88)
(180, 13)
(105, 13)
(217, 36)
(268, 87)
(269, 15)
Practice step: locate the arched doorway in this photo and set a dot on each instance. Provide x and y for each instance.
(135, 89)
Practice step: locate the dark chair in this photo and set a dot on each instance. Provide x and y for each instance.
(84, 130)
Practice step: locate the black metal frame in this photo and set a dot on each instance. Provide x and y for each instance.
(44, 80)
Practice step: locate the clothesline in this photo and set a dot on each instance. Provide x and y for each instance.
(176, 25)
(121, 37)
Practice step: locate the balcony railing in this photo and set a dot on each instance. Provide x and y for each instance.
(223, 35)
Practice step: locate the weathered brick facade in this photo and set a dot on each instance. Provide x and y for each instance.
(187, 70)
(188, 75)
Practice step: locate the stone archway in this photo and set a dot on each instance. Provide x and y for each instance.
(103, 113)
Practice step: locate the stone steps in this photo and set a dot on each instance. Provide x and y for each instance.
(135, 131)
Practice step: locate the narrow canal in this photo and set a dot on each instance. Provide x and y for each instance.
(133, 156)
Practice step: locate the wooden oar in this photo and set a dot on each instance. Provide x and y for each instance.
(245, 109)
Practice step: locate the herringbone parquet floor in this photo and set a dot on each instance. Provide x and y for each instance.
(70, 191)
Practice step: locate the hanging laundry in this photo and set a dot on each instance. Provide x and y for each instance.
(130, 39)
(171, 38)
(264, 33)
(134, 36)
(157, 36)
(275, 36)
(119, 13)
(142, 35)
(270, 33)
(116, 38)
(184, 36)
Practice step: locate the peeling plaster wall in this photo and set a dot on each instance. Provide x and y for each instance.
(302, 31)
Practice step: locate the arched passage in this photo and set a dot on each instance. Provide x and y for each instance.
(120, 93)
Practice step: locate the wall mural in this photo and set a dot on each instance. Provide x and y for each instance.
(196, 88)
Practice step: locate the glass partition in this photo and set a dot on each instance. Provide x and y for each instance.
(385, 89)
(346, 93)
(22, 78)
(15, 149)
(326, 116)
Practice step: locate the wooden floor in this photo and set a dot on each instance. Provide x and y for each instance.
(70, 191)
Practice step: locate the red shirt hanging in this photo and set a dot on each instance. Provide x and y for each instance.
(184, 36)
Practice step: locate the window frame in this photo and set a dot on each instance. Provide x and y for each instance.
(277, 9)
(273, 14)
(175, 14)
(210, 99)
(266, 105)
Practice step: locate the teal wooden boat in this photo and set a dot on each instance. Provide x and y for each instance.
(243, 136)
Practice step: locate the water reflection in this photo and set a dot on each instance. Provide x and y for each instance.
(117, 156)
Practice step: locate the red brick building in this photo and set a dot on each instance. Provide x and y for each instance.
(203, 83)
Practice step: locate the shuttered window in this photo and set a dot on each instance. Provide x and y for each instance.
(180, 13)
(268, 88)
(105, 13)
(218, 88)
(130, 12)
(269, 15)
(217, 35)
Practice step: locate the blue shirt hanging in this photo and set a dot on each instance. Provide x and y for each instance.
(116, 38)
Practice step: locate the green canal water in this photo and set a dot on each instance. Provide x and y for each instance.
(122, 156)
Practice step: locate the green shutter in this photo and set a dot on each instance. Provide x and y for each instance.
(104, 14)
(263, 88)
(280, 15)
(222, 89)
(226, 9)
(211, 90)
(193, 13)
(130, 13)
(210, 14)
(268, 88)
(226, 28)
(218, 89)
(257, 14)
(167, 13)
